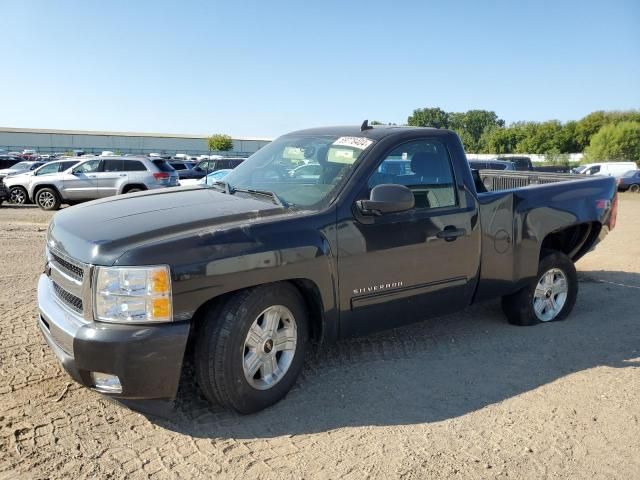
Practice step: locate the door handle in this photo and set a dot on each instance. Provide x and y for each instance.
(451, 233)
(91, 176)
(122, 175)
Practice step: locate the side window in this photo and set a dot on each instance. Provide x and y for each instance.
(90, 166)
(65, 165)
(133, 166)
(48, 169)
(425, 168)
(112, 165)
(593, 170)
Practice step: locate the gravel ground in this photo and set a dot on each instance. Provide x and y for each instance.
(463, 396)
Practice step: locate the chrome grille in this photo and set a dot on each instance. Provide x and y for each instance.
(67, 298)
(71, 269)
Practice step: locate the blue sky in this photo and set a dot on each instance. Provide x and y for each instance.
(262, 68)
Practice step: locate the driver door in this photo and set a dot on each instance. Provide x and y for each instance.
(81, 183)
(402, 267)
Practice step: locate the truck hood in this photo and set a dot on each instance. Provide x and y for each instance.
(99, 232)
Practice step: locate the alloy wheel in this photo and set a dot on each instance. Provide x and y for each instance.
(18, 196)
(269, 347)
(46, 200)
(550, 294)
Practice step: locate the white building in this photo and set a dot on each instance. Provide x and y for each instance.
(49, 141)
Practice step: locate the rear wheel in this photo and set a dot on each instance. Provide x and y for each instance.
(48, 199)
(551, 296)
(18, 195)
(251, 349)
(635, 188)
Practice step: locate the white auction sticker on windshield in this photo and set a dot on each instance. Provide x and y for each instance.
(354, 142)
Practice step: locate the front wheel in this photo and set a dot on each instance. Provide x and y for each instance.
(550, 297)
(251, 349)
(48, 199)
(18, 196)
(634, 188)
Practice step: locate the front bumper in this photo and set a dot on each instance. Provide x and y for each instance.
(146, 358)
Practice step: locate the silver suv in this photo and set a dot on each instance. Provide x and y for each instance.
(18, 185)
(101, 177)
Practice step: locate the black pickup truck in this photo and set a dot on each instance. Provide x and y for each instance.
(239, 276)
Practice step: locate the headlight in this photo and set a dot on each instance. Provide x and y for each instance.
(132, 294)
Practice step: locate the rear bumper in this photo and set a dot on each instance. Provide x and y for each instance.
(146, 359)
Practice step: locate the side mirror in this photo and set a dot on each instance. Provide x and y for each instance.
(387, 198)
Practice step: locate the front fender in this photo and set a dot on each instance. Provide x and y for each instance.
(211, 263)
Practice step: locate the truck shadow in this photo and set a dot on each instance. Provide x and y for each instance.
(435, 370)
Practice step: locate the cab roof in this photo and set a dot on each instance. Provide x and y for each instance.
(376, 132)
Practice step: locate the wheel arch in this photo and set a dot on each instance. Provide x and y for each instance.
(126, 188)
(574, 240)
(37, 188)
(320, 328)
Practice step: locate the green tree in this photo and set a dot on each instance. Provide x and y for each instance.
(220, 142)
(567, 138)
(502, 140)
(473, 126)
(542, 137)
(588, 126)
(429, 117)
(615, 141)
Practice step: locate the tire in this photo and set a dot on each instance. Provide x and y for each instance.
(18, 196)
(635, 188)
(223, 349)
(535, 303)
(48, 199)
(133, 190)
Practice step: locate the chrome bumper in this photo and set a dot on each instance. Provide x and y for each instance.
(58, 325)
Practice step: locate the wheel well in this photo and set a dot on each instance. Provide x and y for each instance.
(574, 241)
(308, 290)
(40, 187)
(133, 185)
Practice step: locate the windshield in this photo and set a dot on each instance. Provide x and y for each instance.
(630, 173)
(21, 166)
(270, 168)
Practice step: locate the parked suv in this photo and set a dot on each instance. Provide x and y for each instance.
(19, 185)
(186, 169)
(20, 167)
(100, 177)
(218, 164)
(493, 164)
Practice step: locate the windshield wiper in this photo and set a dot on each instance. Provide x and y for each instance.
(268, 193)
(228, 189)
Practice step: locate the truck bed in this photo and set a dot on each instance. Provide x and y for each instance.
(495, 180)
(519, 210)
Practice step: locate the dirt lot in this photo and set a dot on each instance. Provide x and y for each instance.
(464, 396)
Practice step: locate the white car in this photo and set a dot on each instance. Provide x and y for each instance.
(607, 169)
